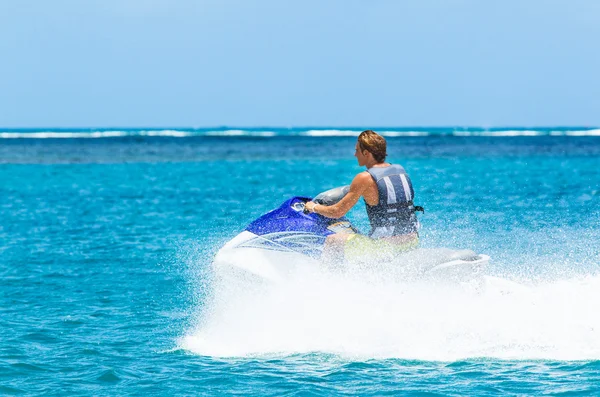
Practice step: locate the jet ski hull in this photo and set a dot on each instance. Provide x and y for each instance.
(253, 257)
(287, 240)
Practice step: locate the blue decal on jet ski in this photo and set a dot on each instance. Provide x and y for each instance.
(290, 217)
(288, 227)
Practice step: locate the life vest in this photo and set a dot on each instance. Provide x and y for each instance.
(394, 215)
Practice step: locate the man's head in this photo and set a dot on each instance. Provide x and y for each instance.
(370, 147)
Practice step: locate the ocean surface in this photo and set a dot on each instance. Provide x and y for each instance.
(107, 238)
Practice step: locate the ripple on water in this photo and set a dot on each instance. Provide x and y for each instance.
(11, 391)
(109, 376)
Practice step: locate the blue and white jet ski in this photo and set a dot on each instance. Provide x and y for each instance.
(276, 244)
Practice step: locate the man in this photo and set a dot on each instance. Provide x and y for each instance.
(388, 194)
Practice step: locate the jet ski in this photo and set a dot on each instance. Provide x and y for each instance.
(289, 238)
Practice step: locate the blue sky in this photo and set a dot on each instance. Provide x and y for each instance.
(299, 63)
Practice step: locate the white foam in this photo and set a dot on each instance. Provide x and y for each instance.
(513, 133)
(330, 133)
(500, 133)
(312, 133)
(405, 133)
(595, 132)
(114, 134)
(92, 134)
(54, 134)
(327, 133)
(172, 133)
(240, 133)
(370, 317)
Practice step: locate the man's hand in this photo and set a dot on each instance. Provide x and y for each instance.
(310, 206)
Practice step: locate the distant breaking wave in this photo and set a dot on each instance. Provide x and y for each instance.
(289, 132)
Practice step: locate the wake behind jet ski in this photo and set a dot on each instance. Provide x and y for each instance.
(288, 238)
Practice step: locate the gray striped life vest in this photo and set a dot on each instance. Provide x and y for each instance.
(395, 213)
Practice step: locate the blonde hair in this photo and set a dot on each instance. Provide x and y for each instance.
(373, 143)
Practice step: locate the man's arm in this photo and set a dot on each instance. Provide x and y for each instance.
(357, 189)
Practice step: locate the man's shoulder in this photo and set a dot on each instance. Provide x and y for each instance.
(363, 177)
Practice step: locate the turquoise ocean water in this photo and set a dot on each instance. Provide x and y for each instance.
(107, 237)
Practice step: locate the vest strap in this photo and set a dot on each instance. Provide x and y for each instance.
(400, 205)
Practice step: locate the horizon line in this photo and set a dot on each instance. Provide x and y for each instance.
(355, 127)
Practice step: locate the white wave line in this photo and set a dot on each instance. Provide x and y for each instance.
(59, 135)
(501, 133)
(318, 133)
(583, 133)
(309, 133)
(239, 133)
(405, 133)
(173, 133)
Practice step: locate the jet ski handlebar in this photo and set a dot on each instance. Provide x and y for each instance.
(332, 196)
(329, 197)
